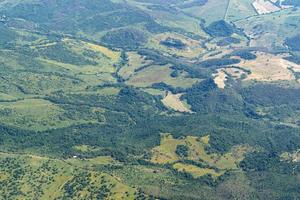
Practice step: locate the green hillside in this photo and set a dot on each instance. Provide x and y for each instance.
(149, 99)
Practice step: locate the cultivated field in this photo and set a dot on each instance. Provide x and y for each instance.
(264, 7)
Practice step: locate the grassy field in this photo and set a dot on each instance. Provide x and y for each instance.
(239, 9)
(156, 74)
(276, 27)
(192, 50)
(173, 101)
(166, 153)
(113, 55)
(195, 171)
(88, 89)
(135, 61)
(213, 10)
(37, 115)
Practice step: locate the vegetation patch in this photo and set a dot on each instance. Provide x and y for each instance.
(37, 115)
(293, 43)
(43, 178)
(125, 38)
(195, 150)
(173, 43)
(113, 55)
(220, 29)
(176, 45)
(195, 171)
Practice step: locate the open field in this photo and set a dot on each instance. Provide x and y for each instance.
(192, 47)
(239, 9)
(135, 61)
(166, 153)
(37, 115)
(270, 30)
(173, 101)
(195, 171)
(220, 77)
(267, 67)
(156, 74)
(77, 56)
(264, 7)
(236, 73)
(113, 55)
(149, 99)
(213, 10)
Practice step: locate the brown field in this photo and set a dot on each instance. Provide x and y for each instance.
(220, 78)
(268, 67)
(264, 7)
(235, 73)
(173, 101)
(291, 157)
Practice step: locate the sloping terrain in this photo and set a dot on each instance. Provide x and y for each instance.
(149, 99)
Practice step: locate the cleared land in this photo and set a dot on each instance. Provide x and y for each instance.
(135, 61)
(268, 67)
(264, 7)
(192, 49)
(174, 102)
(195, 171)
(113, 55)
(156, 74)
(220, 78)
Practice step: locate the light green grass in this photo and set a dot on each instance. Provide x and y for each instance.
(195, 171)
(240, 9)
(157, 74)
(36, 114)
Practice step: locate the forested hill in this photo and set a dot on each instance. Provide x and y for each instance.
(149, 99)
